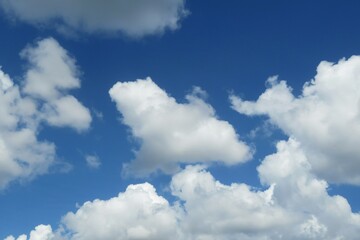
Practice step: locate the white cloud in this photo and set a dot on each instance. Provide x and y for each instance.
(299, 191)
(23, 109)
(52, 72)
(172, 132)
(325, 118)
(41, 232)
(93, 161)
(135, 18)
(218, 211)
(295, 206)
(138, 213)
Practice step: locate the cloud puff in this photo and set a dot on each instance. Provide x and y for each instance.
(325, 118)
(52, 72)
(41, 232)
(138, 213)
(93, 161)
(217, 211)
(23, 109)
(172, 132)
(135, 18)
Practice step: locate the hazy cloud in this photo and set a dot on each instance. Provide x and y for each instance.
(134, 18)
(93, 161)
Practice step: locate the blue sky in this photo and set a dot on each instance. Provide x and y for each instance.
(233, 151)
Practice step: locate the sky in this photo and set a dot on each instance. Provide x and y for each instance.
(174, 119)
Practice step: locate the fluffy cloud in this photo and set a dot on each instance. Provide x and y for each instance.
(295, 205)
(172, 132)
(134, 18)
(297, 190)
(41, 232)
(138, 213)
(325, 118)
(52, 72)
(218, 211)
(23, 109)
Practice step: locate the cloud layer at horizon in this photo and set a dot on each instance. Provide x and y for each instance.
(296, 205)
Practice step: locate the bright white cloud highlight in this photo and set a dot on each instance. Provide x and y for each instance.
(135, 18)
(325, 118)
(42, 98)
(138, 213)
(41, 232)
(172, 132)
(298, 191)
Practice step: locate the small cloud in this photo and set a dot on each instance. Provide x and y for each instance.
(99, 115)
(93, 161)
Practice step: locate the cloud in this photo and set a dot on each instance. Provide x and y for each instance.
(171, 132)
(325, 118)
(217, 211)
(52, 72)
(24, 108)
(41, 232)
(294, 205)
(93, 161)
(134, 18)
(138, 213)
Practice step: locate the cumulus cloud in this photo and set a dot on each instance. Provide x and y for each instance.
(299, 191)
(325, 118)
(52, 72)
(172, 132)
(24, 108)
(41, 232)
(218, 211)
(294, 205)
(134, 18)
(138, 213)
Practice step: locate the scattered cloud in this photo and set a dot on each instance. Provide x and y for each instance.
(171, 132)
(41, 98)
(325, 118)
(134, 18)
(93, 161)
(52, 72)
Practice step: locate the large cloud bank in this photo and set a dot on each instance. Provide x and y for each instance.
(296, 205)
(135, 18)
(171, 132)
(42, 98)
(325, 118)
